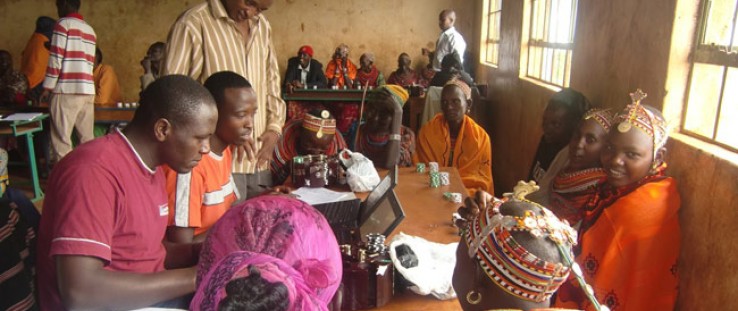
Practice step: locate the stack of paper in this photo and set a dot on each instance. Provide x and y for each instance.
(315, 196)
(21, 116)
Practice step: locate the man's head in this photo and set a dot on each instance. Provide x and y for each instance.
(6, 61)
(305, 53)
(45, 26)
(179, 114)
(156, 51)
(66, 7)
(98, 57)
(317, 132)
(242, 10)
(236, 102)
(451, 63)
(403, 61)
(446, 19)
(562, 115)
(366, 60)
(342, 52)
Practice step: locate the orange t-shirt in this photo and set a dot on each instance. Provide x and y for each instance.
(199, 198)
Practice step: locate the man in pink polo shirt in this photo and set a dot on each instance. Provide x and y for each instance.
(105, 211)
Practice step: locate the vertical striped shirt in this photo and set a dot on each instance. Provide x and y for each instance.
(72, 57)
(204, 40)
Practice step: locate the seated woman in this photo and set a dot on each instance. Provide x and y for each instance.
(315, 134)
(453, 139)
(368, 74)
(340, 71)
(512, 255)
(404, 76)
(383, 139)
(576, 173)
(13, 84)
(561, 117)
(286, 240)
(629, 238)
(451, 68)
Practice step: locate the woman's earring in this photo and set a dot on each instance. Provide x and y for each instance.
(473, 297)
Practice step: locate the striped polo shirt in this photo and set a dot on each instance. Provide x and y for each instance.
(72, 57)
(204, 40)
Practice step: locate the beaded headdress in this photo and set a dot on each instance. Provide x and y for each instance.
(636, 115)
(323, 125)
(462, 85)
(508, 264)
(601, 116)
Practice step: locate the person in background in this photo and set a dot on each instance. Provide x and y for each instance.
(304, 72)
(427, 73)
(105, 210)
(368, 75)
(404, 76)
(449, 41)
(18, 248)
(560, 119)
(286, 240)
(383, 139)
(451, 68)
(13, 84)
(69, 87)
(341, 71)
(575, 175)
(152, 63)
(630, 234)
(313, 135)
(35, 56)
(197, 199)
(107, 88)
(234, 35)
(452, 138)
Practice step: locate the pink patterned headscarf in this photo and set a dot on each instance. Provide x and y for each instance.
(280, 227)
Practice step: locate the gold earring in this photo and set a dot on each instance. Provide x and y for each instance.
(470, 297)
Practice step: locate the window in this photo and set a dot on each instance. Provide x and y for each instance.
(711, 107)
(491, 33)
(550, 41)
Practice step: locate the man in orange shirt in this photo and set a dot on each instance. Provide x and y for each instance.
(35, 56)
(199, 198)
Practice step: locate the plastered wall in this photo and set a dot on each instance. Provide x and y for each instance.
(126, 28)
(620, 46)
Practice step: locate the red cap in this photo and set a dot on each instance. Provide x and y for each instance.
(306, 49)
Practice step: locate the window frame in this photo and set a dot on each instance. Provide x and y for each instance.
(709, 54)
(488, 40)
(543, 46)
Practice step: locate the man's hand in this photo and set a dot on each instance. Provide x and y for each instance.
(146, 63)
(268, 142)
(247, 150)
(45, 96)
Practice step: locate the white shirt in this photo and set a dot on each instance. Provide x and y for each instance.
(304, 73)
(450, 40)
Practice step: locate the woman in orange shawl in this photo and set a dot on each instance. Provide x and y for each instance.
(453, 139)
(629, 239)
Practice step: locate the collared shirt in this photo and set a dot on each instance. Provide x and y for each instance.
(204, 40)
(449, 41)
(72, 57)
(304, 73)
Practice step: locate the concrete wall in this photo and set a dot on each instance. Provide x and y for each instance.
(125, 29)
(621, 46)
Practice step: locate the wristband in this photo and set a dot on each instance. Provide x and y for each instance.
(395, 137)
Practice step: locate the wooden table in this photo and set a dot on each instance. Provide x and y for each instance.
(428, 216)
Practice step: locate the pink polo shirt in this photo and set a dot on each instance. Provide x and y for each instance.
(102, 201)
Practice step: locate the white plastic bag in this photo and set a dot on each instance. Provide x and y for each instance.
(435, 265)
(360, 172)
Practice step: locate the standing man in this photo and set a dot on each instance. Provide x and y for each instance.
(105, 213)
(450, 40)
(233, 35)
(69, 87)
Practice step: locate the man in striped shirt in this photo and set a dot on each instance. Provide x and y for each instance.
(233, 35)
(69, 88)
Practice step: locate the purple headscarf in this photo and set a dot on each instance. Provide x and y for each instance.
(280, 227)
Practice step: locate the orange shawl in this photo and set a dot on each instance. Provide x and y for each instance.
(629, 255)
(107, 89)
(330, 71)
(472, 152)
(34, 59)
